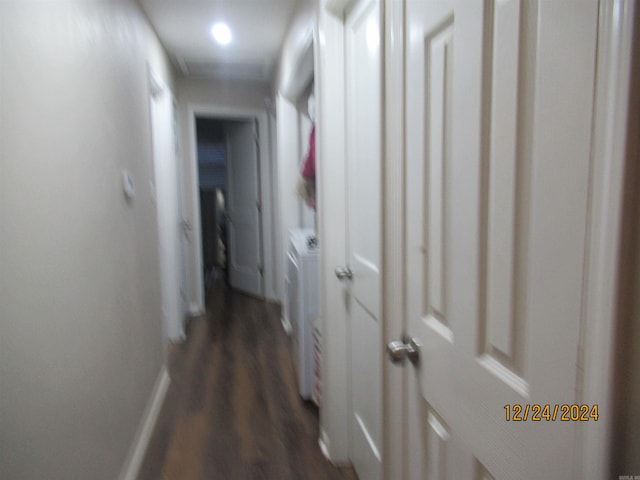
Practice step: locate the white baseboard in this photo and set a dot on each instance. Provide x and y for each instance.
(141, 439)
(323, 442)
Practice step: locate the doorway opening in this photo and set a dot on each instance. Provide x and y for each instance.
(228, 162)
(212, 176)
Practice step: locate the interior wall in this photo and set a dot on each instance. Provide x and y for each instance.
(80, 335)
(296, 58)
(295, 68)
(222, 100)
(289, 159)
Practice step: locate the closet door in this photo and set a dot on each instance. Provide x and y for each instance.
(498, 117)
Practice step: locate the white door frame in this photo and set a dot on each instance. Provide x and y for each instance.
(191, 165)
(171, 262)
(615, 33)
(330, 91)
(331, 192)
(394, 380)
(330, 88)
(615, 45)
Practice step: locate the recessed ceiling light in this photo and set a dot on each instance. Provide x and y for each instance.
(221, 33)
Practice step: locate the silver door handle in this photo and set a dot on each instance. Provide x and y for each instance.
(400, 350)
(343, 273)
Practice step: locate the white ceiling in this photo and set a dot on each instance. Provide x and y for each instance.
(258, 28)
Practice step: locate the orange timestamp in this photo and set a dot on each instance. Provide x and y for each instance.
(559, 412)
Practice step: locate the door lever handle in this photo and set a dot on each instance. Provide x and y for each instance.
(400, 350)
(343, 273)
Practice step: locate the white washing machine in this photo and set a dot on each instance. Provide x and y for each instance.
(302, 305)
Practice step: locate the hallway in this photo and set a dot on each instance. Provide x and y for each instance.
(478, 224)
(232, 411)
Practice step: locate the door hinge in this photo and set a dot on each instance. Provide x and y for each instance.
(259, 205)
(261, 270)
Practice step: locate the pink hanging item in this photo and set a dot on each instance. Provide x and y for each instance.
(308, 171)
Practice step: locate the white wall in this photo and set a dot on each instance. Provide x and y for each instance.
(221, 94)
(295, 67)
(295, 73)
(230, 100)
(293, 130)
(288, 200)
(80, 319)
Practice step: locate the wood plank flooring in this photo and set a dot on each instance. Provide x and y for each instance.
(232, 410)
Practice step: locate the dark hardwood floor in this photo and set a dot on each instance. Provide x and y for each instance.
(232, 410)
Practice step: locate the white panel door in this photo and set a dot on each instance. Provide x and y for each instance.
(363, 110)
(498, 131)
(243, 207)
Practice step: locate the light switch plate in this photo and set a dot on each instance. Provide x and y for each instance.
(128, 185)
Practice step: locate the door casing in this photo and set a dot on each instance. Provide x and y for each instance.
(195, 287)
(598, 329)
(166, 192)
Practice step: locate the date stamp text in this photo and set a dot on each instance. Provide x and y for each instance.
(536, 412)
